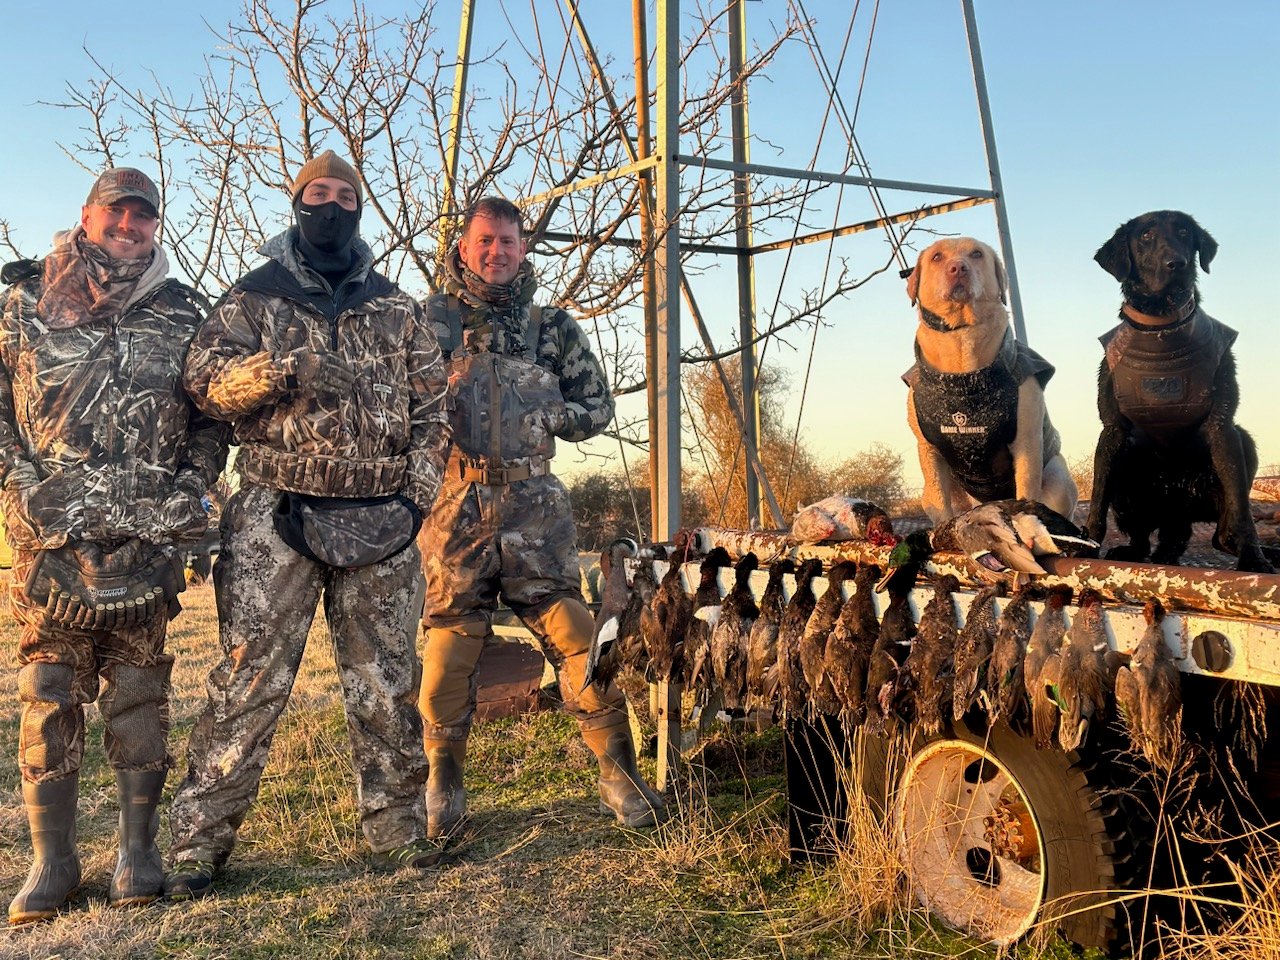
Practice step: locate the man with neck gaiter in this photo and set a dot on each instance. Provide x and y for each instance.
(331, 379)
(520, 375)
(104, 461)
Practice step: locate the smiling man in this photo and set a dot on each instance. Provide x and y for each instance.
(104, 462)
(520, 376)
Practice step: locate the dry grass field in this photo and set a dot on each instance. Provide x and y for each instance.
(542, 875)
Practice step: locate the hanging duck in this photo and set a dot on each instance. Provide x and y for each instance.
(792, 690)
(1042, 666)
(1085, 684)
(930, 667)
(738, 613)
(1149, 694)
(630, 649)
(850, 644)
(602, 662)
(888, 696)
(664, 623)
(974, 647)
(762, 642)
(1006, 684)
(706, 610)
(817, 631)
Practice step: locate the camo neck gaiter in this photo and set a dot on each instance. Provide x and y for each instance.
(82, 282)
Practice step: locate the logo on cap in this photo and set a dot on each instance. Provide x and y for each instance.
(121, 182)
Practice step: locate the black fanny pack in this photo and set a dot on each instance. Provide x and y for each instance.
(347, 531)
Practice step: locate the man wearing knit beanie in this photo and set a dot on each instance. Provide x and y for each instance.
(331, 378)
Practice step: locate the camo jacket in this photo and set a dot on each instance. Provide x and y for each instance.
(389, 435)
(96, 431)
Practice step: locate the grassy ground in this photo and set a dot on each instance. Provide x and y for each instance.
(542, 875)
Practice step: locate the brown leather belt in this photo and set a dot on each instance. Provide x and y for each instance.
(485, 472)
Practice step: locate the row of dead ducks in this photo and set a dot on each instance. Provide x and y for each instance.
(829, 655)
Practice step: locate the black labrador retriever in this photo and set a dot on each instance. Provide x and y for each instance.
(1170, 453)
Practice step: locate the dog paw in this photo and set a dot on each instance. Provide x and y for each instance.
(1252, 561)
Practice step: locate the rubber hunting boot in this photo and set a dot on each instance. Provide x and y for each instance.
(446, 796)
(55, 871)
(623, 790)
(139, 876)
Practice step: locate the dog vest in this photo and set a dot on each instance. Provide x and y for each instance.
(972, 418)
(1163, 377)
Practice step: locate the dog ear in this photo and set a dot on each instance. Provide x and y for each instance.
(1113, 256)
(913, 283)
(1002, 278)
(1207, 246)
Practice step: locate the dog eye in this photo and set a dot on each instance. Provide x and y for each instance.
(976, 254)
(936, 256)
(1148, 236)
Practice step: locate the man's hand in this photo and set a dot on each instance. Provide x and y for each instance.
(556, 419)
(320, 371)
(182, 516)
(51, 503)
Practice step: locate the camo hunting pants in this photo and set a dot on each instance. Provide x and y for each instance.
(516, 541)
(267, 596)
(125, 670)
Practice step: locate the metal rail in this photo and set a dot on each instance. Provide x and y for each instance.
(1219, 623)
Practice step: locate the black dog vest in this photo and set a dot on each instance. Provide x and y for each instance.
(1163, 377)
(972, 418)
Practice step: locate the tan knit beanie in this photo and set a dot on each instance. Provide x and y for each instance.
(328, 164)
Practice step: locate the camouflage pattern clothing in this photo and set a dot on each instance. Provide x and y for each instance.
(98, 444)
(386, 436)
(503, 524)
(267, 596)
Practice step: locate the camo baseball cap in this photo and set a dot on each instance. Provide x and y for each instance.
(120, 182)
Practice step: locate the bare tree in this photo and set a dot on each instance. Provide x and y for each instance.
(287, 80)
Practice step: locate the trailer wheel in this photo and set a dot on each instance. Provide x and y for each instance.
(996, 836)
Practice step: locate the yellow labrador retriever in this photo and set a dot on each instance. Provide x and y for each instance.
(976, 395)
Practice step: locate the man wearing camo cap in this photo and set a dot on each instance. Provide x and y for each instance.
(520, 375)
(332, 381)
(104, 461)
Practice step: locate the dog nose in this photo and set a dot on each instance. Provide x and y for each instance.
(1176, 263)
(957, 268)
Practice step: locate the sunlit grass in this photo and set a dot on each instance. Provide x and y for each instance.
(541, 874)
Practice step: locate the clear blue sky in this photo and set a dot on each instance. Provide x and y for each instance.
(1102, 110)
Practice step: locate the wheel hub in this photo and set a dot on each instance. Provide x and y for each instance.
(969, 840)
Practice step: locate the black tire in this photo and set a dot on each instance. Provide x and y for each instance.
(1088, 845)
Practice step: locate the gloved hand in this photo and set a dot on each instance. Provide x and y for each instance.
(556, 419)
(319, 371)
(181, 516)
(50, 505)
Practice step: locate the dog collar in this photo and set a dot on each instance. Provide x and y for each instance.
(1145, 321)
(935, 322)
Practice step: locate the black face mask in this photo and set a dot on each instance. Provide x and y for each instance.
(325, 233)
